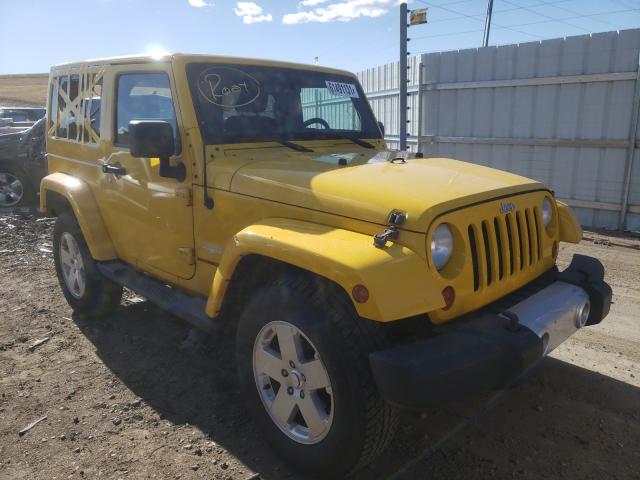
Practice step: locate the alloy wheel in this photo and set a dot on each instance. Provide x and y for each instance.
(293, 383)
(11, 190)
(72, 265)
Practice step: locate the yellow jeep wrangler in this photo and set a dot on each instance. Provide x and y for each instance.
(358, 279)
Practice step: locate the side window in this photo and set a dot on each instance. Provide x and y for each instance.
(143, 96)
(90, 106)
(62, 120)
(74, 123)
(53, 103)
(74, 107)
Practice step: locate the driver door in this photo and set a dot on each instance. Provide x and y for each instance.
(150, 218)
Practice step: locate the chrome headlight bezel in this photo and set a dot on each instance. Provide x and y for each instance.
(441, 247)
(547, 211)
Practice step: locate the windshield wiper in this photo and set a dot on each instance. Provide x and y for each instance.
(356, 140)
(293, 146)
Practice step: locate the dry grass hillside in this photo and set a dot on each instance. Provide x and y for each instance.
(23, 90)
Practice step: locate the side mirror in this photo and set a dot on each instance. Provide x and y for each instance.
(154, 139)
(381, 126)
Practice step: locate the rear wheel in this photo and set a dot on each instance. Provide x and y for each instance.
(16, 189)
(87, 291)
(304, 372)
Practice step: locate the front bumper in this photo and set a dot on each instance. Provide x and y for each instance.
(489, 351)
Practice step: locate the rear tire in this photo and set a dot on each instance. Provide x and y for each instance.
(358, 423)
(16, 188)
(87, 291)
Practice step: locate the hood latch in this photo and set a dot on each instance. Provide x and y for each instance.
(395, 219)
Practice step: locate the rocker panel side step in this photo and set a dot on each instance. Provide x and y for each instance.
(187, 307)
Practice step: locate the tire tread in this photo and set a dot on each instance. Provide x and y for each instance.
(362, 337)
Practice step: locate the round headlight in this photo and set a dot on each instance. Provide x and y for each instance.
(547, 211)
(441, 245)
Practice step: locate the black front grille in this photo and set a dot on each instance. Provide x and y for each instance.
(504, 246)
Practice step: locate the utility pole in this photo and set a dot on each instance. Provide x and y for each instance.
(403, 76)
(418, 17)
(487, 24)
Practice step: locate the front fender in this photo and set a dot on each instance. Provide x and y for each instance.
(79, 196)
(399, 282)
(570, 229)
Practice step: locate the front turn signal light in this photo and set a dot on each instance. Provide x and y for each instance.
(360, 293)
(449, 296)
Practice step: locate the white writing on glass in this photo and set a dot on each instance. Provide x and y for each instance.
(213, 81)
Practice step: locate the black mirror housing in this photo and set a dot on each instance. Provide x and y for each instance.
(154, 139)
(381, 126)
(151, 138)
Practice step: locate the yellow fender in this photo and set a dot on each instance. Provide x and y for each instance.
(570, 229)
(398, 280)
(77, 193)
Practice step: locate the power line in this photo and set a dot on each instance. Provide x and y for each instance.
(622, 2)
(573, 12)
(579, 16)
(448, 34)
(476, 19)
(528, 9)
(539, 22)
(482, 16)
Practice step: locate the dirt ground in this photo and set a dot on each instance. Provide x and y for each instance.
(23, 90)
(140, 395)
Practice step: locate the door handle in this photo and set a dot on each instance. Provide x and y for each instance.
(108, 168)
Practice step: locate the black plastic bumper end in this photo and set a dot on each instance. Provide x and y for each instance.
(455, 365)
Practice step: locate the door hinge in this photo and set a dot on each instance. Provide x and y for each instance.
(186, 194)
(188, 254)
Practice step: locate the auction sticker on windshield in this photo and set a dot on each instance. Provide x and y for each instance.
(339, 89)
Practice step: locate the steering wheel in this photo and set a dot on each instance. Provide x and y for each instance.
(313, 120)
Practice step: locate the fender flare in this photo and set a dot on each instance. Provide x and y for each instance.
(81, 200)
(570, 229)
(399, 282)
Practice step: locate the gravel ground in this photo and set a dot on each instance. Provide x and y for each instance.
(141, 395)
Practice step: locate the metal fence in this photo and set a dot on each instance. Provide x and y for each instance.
(339, 111)
(563, 111)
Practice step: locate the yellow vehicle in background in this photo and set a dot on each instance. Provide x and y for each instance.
(358, 279)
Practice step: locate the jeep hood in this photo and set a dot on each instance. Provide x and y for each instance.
(370, 186)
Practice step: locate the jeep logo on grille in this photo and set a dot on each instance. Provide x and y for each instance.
(507, 207)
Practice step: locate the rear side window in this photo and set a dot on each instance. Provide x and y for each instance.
(63, 112)
(53, 105)
(143, 96)
(90, 106)
(74, 120)
(75, 107)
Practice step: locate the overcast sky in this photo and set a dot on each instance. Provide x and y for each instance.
(348, 34)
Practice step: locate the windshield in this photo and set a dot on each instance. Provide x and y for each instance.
(244, 103)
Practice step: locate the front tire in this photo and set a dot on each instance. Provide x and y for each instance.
(86, 290)
(303, 368)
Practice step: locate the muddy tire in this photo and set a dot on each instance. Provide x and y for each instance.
(16, 188)
(87, 291)
(303, 369)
